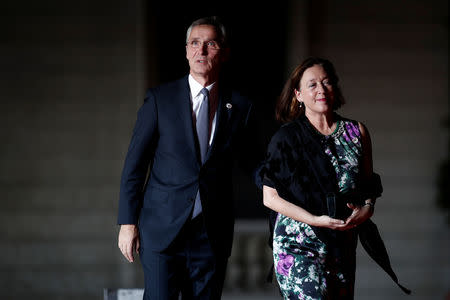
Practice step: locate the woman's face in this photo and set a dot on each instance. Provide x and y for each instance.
(316, 91)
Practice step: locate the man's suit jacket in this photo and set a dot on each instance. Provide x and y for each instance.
(165, 141)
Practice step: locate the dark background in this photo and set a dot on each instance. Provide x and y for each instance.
(74, 73)
(258, 42)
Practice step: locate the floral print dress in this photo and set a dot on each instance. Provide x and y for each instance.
(304, 267)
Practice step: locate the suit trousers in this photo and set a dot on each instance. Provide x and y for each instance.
(188, 267)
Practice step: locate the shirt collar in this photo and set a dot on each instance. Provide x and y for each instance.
(197, 87)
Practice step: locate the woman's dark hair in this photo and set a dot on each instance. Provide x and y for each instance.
(287, 108)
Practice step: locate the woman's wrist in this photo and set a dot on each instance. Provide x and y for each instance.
(315, 220)
(370, 205)
(312, 220)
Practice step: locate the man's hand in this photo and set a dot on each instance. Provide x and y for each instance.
(128, 240)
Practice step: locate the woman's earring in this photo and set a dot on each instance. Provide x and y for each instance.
(300, 105)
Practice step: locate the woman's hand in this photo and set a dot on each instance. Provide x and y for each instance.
(359, 215)
(328, 222)
(273, 201)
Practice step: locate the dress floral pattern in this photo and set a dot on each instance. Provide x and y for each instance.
(304, 267)
(300, 261)
(343, 147)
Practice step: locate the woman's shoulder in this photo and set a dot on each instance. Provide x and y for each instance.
(287, 131)
(348, 120)
(354, 124)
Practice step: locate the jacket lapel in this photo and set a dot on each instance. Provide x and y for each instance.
(223, 116)
(183, 101)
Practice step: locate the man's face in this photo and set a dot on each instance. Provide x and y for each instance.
(203, 52)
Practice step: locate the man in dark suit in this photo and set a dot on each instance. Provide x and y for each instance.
(187, 134)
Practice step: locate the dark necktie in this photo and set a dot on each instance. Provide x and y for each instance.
(202, 126)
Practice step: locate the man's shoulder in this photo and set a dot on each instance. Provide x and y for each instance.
(173, 85)
(170, 88)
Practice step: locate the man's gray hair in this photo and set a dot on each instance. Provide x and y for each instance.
(213, 21)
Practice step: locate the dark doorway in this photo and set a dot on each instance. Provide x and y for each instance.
(258, 46)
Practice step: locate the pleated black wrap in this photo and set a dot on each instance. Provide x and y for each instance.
(298, 168)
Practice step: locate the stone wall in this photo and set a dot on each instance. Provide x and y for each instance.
(71, 79)
(392, 59)
(73, 76)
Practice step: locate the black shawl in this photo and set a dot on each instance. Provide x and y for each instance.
(297, 167)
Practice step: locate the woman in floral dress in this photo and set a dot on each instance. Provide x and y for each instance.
(318, 181)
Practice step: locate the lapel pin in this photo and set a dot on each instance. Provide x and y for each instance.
(228, 105)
